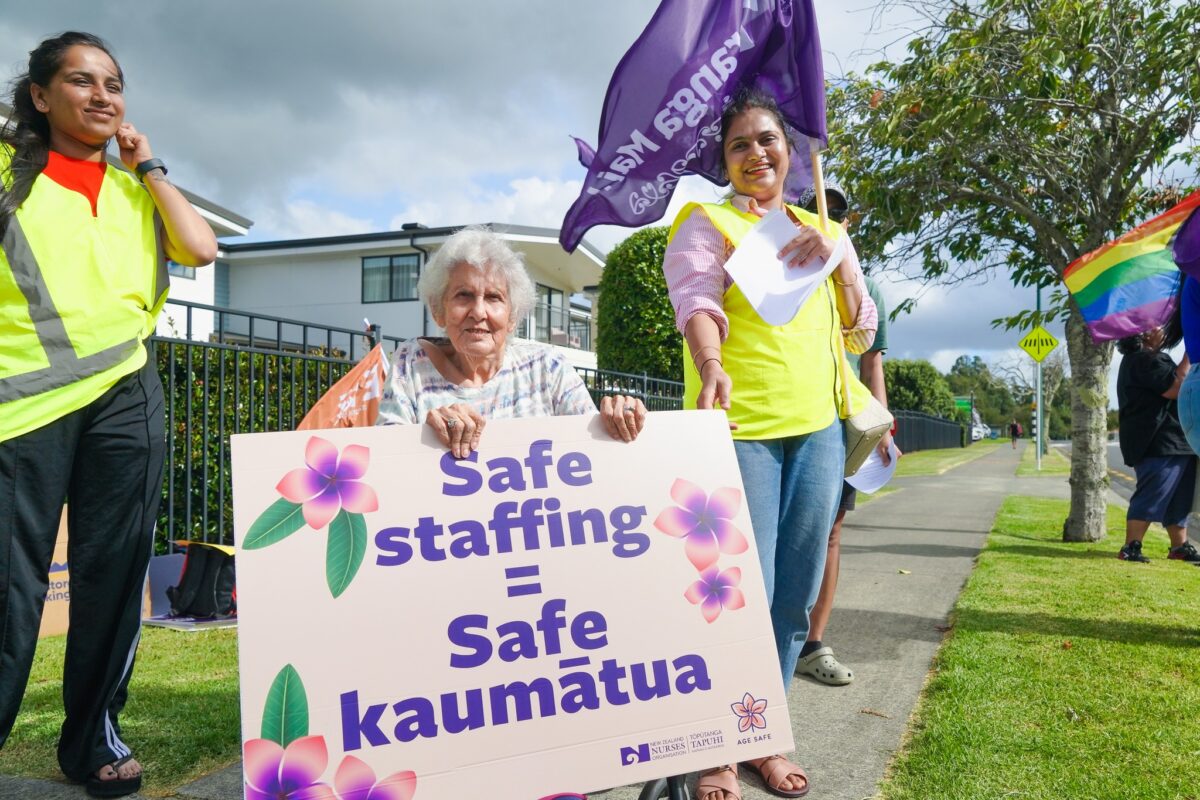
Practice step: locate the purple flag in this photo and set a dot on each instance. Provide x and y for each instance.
(1187, 245)
(586, 154)
(662, 114)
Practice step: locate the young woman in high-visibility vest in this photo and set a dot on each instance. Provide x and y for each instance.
(781, 385)
(82, 280)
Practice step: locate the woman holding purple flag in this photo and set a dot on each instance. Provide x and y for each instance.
(781, 385)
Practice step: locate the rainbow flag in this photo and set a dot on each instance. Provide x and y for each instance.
(1131, 284)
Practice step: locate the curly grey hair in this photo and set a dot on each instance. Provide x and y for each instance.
(485, 250)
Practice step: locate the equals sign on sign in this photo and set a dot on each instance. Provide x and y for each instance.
(522, 580)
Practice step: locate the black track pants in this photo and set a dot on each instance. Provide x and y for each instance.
(107, 458)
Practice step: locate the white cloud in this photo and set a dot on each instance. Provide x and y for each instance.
(303, 219)
(529, 201)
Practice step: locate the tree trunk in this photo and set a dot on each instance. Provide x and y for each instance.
(1089, 446)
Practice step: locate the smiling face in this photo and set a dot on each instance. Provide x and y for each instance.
(475, 312)
(756, 157)
(84, 102)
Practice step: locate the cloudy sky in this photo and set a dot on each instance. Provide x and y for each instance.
(327, 118)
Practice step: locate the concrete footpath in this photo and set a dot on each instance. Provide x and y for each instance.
(905, 557)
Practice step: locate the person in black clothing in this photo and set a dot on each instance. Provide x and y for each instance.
(1152, 441)
(1014, 432)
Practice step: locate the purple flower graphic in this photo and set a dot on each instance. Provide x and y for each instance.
(704, 522)
(329, 483)
(275, 773)
(750, 713)
(355, 780)
(716, 590)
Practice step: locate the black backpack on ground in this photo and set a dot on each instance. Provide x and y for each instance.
(207, 586)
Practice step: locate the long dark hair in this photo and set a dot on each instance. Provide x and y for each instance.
(28, 130)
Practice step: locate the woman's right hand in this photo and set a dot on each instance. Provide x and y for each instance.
(458, 427)
(715, 387)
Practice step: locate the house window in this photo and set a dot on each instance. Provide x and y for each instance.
(549, 311)
(180, 271)
(388, 278)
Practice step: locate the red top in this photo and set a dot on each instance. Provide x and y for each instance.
(84, 177)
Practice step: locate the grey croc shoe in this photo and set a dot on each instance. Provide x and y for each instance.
(821, 665)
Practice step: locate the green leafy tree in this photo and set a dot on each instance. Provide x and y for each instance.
(635, 322)
(970, 375)
(916, 385)
(1017, 136)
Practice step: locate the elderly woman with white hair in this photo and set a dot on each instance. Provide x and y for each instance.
(477, 290)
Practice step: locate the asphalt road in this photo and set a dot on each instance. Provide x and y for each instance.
(1120, 476)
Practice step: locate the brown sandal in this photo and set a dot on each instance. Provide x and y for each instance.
(722, 779)
(774, 769)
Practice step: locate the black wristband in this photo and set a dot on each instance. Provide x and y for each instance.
(150, 164)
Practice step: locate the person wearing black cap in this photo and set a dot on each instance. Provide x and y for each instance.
(816, 659)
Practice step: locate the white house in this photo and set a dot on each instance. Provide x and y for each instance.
(205, 285)
(342, 280)
(338, 281)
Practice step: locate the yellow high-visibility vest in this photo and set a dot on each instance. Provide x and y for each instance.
(786, 378)
(78, 296)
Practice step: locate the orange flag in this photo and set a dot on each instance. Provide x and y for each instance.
(352, 402)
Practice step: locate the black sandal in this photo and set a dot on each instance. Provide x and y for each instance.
(113, 787)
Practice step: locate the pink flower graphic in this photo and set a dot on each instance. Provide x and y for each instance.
(716, 590)
(328, 483)
(704, 522)
(750, 713)
(273, 773)
(355, 780)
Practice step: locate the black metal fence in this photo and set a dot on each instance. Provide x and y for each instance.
(657, 393)
(916, 430)
(226, 372)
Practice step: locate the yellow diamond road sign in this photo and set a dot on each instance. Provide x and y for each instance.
(1039, 343)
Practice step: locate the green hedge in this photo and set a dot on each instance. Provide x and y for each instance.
(213, 391)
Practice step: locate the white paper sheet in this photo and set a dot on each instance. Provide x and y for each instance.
(872, 475)
(774, 289)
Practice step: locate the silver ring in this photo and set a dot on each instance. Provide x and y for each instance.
(630, 409)
(450, 423)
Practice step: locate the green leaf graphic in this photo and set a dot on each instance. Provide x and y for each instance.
(285, 715)
(275, 524)
(345, 550)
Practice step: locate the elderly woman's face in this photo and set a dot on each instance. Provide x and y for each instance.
(475, 311)
(756, 155)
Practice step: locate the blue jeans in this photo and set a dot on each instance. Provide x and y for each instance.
(792, 490)
(1189, 407)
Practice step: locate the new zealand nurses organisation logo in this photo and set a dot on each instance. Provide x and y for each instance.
(671, 747)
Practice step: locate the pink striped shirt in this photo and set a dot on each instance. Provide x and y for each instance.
(696, 280)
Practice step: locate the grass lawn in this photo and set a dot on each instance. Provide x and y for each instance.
(1053, 463)
(182, 720)
(1067, 674)
(935, 462)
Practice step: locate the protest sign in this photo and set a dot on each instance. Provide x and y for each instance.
(559, 612)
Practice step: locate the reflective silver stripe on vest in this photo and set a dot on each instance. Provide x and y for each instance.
(65, 366)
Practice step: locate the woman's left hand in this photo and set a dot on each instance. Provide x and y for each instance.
(624, 416)
(808, 243)
(135, 147)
